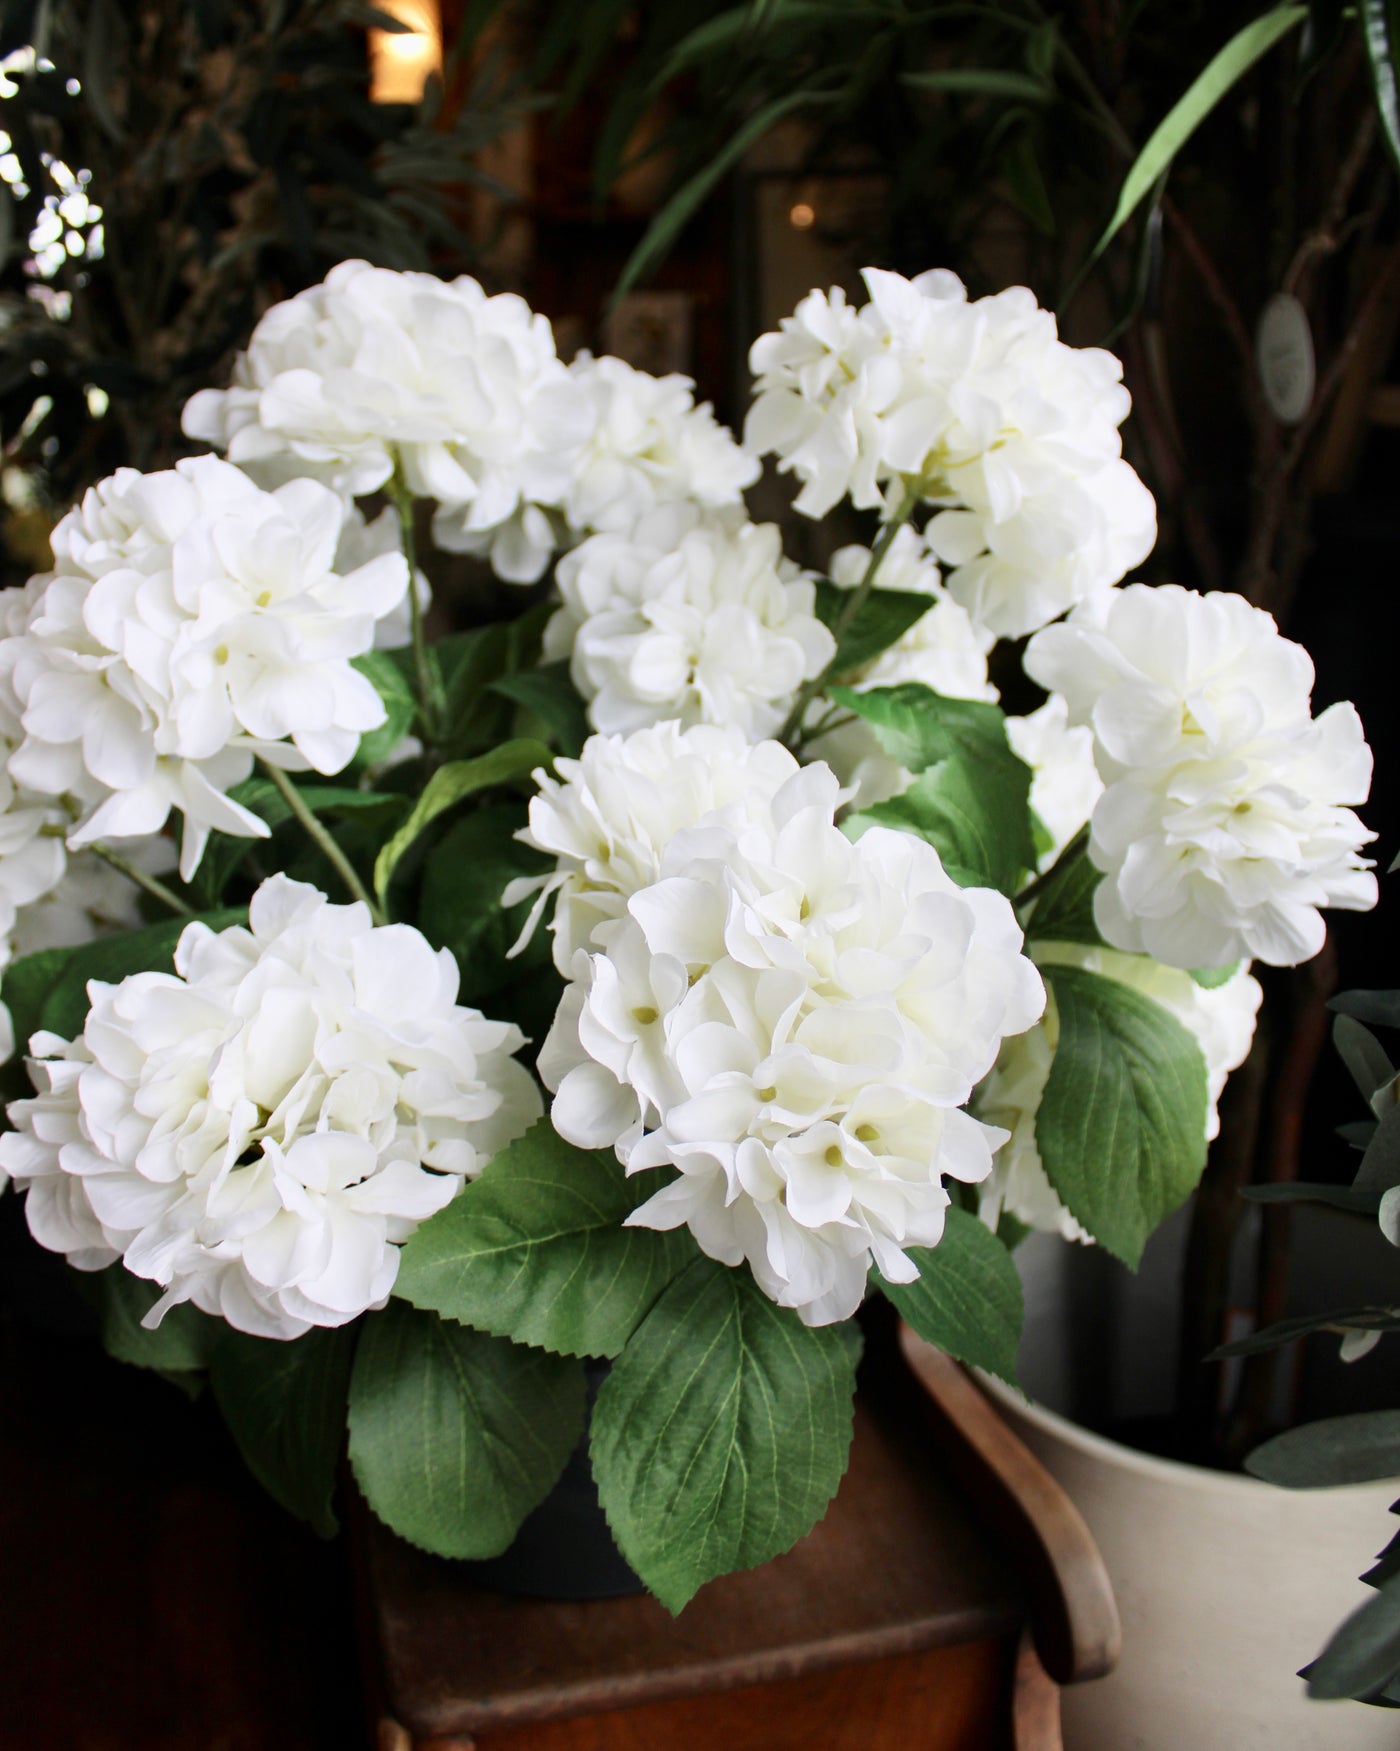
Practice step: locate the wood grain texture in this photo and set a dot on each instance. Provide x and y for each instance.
(942, 1699)
(1074, 1615)
(1035, 1702)
(898, 1566)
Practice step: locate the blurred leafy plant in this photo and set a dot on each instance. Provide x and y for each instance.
(232, 154)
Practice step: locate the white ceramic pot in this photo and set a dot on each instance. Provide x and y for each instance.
(1225, 1585)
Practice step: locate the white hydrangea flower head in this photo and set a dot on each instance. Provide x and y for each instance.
(650, 445)
(1225, 823)
(193, 622)
(259, 1131)
(979, 409)
(1065, 782)
(32, 826)
(695, 618)
(466, 391)
(607, 818)
(793, 1021)
(943, 650)
(1222, 1018)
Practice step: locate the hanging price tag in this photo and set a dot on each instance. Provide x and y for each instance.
(1283, 350)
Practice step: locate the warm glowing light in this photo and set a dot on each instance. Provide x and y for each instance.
(402, 62)
(801, 216)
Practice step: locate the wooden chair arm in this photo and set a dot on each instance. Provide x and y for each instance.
(1074, 1618)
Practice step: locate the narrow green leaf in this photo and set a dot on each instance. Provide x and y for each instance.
(451, 784)
(1363, 1656)
(549, 693)
(1284, 1331)
(672, 219)
(1315, 1192)
(1225, 70)
(967, 1299)
(980, 82)
(1064, 907)
(971, 796)
(454, 1435)
(882, 620)
(284, 1403)
(710, 41)
(1121, 1128)
(1380, 31)
(1353, 1449)
(1026, 184)
(182, 1342)
(535, 1250)
(722, 1432)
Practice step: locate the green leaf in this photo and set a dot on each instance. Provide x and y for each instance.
(1122, 1123)
(1212, 978)
(400, 706)
(224, 852)
(451, 784)
(549, 693)
(882, 620)
(1375, 1008)
(971, 798)
(476, 713)
(1363, 1055)
(1315, 1192)
(455, 1435)
(1026, 184)
(722, 1432)
(1380, 31)
(967, 1299)
(710, 41)
(1363, 1656)
(1353, 1449)
(284, 1403)
(182, 1342)
(1225, 70)
(980, 82)
(672, 219)
(535, 1250)
(1380, 1164)
(1064, 907)
(459, 906)
(1284, 1331)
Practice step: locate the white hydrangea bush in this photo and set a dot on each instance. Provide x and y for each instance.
(260, 1130)
(685, 949)
(793, 1021)
(1227, 819)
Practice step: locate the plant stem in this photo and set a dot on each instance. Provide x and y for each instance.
(857, 599)
(424, 673)
(142, 879)
(322, 838)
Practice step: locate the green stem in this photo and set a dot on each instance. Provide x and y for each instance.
(857, 599)
(152, 886)
(323, 839)
(429, 701)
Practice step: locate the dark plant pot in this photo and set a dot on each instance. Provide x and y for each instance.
(564, 1549)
